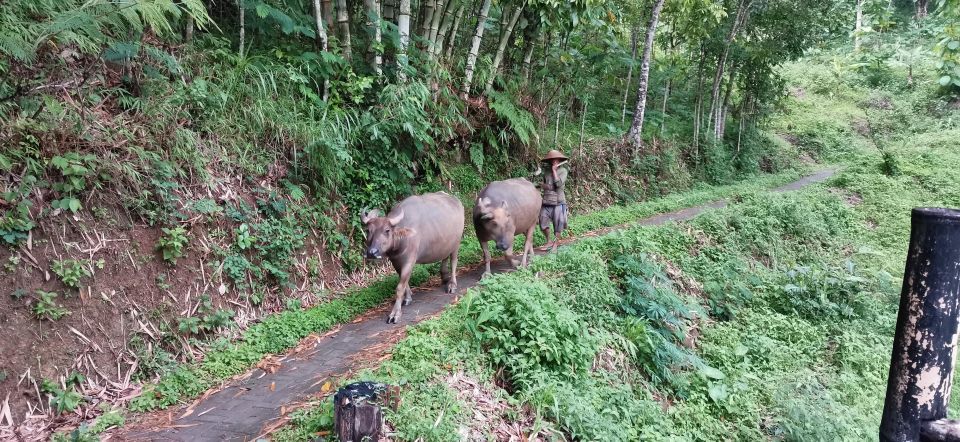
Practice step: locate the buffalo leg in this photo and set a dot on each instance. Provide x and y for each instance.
(452, 285)
(403, 289)
(445, 270)
(485, 246)
(508, 255)
(528, 247)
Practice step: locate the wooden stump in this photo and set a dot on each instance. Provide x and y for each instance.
(357, 412)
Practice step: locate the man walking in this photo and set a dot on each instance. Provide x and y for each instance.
(554, 209)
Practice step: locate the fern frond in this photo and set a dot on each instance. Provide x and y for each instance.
(518, 119)
(90, 25)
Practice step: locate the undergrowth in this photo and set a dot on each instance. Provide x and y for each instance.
(769, 319)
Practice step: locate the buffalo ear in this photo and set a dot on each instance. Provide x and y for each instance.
(367, 216)
(395, 218)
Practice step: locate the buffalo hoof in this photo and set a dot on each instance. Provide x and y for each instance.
(485, 275)
(451, 287)
(394, 316)
(407, 301)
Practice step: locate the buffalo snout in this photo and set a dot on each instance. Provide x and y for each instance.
(502, 246)
(374, 253)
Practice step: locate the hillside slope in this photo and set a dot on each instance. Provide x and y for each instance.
(770, 319)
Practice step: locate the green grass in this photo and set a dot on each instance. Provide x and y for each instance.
(274, 334)
(793, 296)
(284, 330)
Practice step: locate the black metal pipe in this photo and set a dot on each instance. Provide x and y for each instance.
(925, 344)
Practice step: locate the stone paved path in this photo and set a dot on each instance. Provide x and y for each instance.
(241, 410)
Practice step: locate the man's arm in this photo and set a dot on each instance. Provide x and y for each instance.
(561, 179)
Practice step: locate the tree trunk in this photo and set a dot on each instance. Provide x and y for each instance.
(636, 129)
(433, 34)
(583, 123)
(858, 25)
(531, 40)
(504, 38)
(921, 9)
(449, 18)
(663, 110)
(556, 132)
(452, 41)
(389, 11)
(423, 28)
(475, 49)
(322, 41)
(243, 27)
(629, 85)
(403, 27)
(188, 32)
(343, 23)
(328, 16)
(715, 103)
(722, 121)
(373, 23)
(743, 118)
(698, 108)
(548, 42)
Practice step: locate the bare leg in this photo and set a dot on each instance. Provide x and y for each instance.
(527, 247)
(485, 246)
(452, 285)
(556, 239)
(403, 290)
(546, 234)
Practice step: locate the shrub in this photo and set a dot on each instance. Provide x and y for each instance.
(172, 242)
(46, 306)
(71, 271)
(825, 294)
(528, 332)
(277, 239)
(658, 320)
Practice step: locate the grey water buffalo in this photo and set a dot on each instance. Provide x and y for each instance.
(421, 229)
(504, 209)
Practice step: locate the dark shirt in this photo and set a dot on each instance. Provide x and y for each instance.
(553, 189)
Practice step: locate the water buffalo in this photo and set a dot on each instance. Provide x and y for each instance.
(503, 209)
(421, 229)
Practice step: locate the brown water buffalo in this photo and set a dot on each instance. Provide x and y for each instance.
(504, 209)
(421, 229)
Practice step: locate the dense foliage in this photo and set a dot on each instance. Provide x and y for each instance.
(240, 138)
(770, 319)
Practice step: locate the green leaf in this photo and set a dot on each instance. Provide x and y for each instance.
(945, 80)
(74, 205)
(718, 392)
(262, 10)
(712, 373)
(59, 162)
(953, 45)
(741, 350)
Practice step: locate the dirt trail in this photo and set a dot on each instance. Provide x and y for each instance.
(256, 404)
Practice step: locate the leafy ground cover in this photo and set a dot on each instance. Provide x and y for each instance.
(284, 330)
(769, 319)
